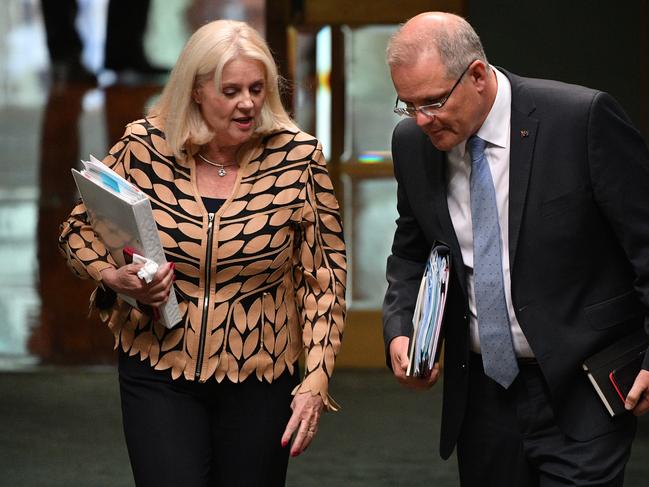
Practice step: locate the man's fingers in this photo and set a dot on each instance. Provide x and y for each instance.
(639, 391)
(399, 354)
(642, 406)
(418, 383)
(632, 397)
(434, 375)
(637, 400)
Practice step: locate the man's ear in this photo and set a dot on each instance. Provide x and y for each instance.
(479, 75)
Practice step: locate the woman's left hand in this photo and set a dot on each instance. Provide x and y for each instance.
(307, 409)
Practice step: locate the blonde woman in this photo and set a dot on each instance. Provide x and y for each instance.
(247, 215)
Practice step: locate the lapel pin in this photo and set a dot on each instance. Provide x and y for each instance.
(525, 133)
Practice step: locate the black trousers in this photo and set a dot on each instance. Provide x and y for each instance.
(63, 41)
(182, 433)
(126, 26)
(510, 439)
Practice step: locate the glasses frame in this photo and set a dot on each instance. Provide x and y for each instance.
(429, 110)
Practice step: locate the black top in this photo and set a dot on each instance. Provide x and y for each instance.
(212, 205)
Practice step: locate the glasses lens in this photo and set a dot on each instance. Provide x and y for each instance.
(429, 110)
(402, 111)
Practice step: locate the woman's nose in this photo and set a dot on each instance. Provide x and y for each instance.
(246, 101)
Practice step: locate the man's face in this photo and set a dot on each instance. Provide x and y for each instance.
(425, 82)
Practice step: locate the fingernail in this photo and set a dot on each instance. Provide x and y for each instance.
(284, 443)
(628, 406)
(294, 453)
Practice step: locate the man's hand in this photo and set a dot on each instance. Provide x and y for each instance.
(399, 358)
(637, 401)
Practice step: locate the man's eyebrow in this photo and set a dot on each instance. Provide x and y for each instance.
(426, 99)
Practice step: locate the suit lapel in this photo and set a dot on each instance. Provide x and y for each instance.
(523, 137)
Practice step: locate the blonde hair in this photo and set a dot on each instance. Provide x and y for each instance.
(204, 56)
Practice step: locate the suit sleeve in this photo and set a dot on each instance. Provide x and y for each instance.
(619, 165)
(406, 263)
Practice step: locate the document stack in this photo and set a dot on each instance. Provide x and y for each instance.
(429, 313)
(121, 215)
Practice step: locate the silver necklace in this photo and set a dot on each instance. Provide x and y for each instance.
(222, 172)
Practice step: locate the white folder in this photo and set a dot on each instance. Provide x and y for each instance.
(427, 319)
(120, 214)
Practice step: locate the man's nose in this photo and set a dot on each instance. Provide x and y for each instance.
(423, 119)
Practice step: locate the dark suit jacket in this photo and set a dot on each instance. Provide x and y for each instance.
(578, 240)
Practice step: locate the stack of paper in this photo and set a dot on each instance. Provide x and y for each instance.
(101, 174)
(120, 214)
(429, 313)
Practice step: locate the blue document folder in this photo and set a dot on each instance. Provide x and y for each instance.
(425, 343)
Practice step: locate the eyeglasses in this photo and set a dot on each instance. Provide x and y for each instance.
(429, 110)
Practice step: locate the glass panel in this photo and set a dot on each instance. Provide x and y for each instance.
(369, 94)
(305, 83)
(323, 93)
(369, 218)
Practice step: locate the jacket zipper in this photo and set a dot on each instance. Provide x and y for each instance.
(262, 321)
(206, 297)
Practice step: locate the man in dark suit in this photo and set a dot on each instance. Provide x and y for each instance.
(541, 191)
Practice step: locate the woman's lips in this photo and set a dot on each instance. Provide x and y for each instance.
(244, 123)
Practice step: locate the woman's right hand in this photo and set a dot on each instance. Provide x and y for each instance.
(124, 280)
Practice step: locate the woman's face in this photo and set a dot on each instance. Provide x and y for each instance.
(232, 111)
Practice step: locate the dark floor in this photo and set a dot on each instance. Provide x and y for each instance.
(61, 427)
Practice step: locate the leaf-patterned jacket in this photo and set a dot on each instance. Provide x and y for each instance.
(257, 282)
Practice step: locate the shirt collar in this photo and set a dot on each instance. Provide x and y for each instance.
(495, 128)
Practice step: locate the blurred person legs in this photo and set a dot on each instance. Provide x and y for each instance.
(126, 26)
(63, 42)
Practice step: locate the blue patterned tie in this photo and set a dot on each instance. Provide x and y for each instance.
(498, 355)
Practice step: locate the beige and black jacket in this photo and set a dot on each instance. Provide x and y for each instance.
(257, 282)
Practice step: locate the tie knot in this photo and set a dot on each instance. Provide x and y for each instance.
(476, 147)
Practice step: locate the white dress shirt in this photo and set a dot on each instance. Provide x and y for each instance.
(495, 131)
